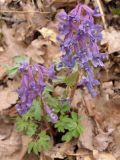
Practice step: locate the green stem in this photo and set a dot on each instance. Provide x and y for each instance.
(74, 88)
(48, 127)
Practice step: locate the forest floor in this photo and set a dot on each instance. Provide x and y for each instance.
(29, 27)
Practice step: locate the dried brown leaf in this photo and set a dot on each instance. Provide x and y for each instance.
(103, 156)
(2, 2)
(36, 50)
(49, 34)
(13, 48)
(5, 130)
(82, 153)
(52, 54)
(104, 110)
(112, 113)
(59, 151)
(8, 96)
(4, 60)
(2, 72)
(19, 155)
(76, 99)
(59, 91)
(86, 139)
(115, 145)
(112, 36)
(35, 19)
(61, 3)
(87, 158)
(101, 141)
(10, 145)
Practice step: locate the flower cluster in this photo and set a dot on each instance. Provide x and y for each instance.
(32, 84)
(79, 37)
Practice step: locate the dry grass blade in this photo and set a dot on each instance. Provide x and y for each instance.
(101, 11)
(22, 12)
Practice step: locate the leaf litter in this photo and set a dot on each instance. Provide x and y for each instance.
(32, 33)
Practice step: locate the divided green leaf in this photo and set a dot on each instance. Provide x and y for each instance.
(12, 70)
(26, 126)
(41, 144)
(70, 126)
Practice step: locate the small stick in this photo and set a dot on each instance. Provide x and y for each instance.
(22, 12)
(103, 15)
(11, 20)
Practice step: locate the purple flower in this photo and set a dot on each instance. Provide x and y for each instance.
(21, 108)
(63, 15)
(96, 32)
(78, 39)
(97, 12)
(23, 66)
(32, 85)
(22, 91)
(90, 82)
(51, 114)
(51, 71)
(68, 60)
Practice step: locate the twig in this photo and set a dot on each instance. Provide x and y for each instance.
(77, 154)
(22, 12)
(11, 19)
(103, 15)
(55, 1)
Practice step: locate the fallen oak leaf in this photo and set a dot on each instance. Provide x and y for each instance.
(10, 145)
(49, 34)
(35, 50)
(2, 72)
(111, 36)
(4, 59)
(8, 95)
(13, 48)
(33, 16)
(5, 130)
(59, 151)
(86, 138)
(87, 158)
(21, 153)
(101, 141)
(103, 156)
